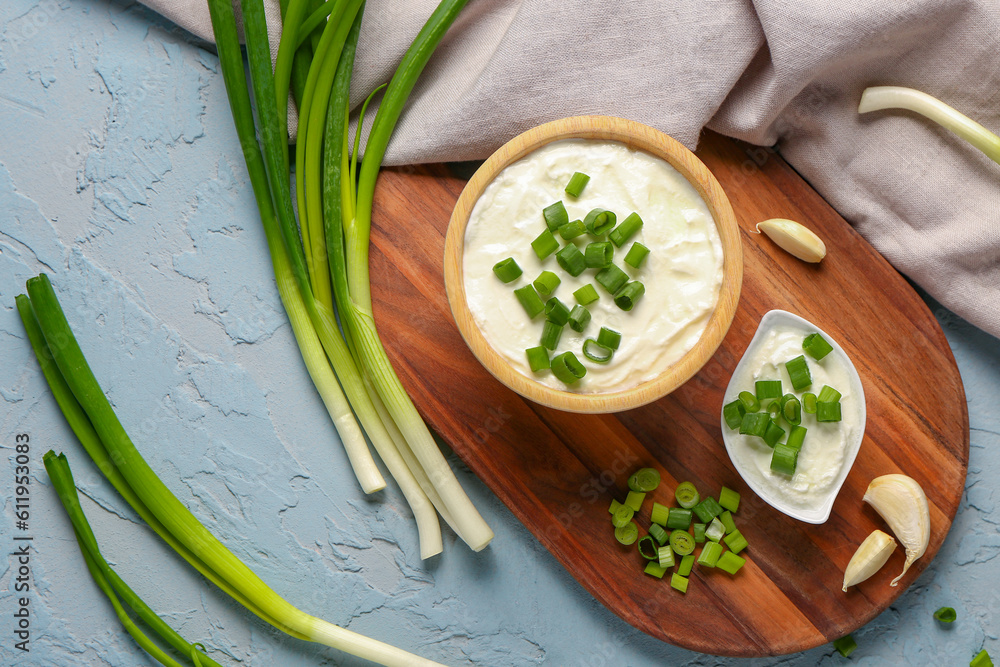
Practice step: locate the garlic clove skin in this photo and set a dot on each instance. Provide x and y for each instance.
(902, 503)
(794, 238)
(869, 558)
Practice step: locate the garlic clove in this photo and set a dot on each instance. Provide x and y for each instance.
(869, 558)
(795, 238)
(902, 503)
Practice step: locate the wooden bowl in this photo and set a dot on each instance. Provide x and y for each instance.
(636, 136)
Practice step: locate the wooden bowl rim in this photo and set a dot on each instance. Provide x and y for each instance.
(637, 136)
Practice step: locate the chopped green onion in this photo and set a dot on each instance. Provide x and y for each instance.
(827, 412)
(652, 554)
(627, 534)
(538, 358)
(735, 541)
(572, 229)
(609, 338)
(614, 506)
(707, 509)
(555, 216)
(599, 254)
(730, 562)
(773, 408)
(530, 300)
(755, 423)
(845, 646)
(727, 521)
(579, 318)
(678, 582)
(768, 389)
(659, 514)
(773, 433)
(551, 333)
(809, 403)
(665, 556)
(715, 530)
(678, 518)
(686, 495)
(634, 499)
(586, 295)
(791, 409)
(571, 260)
(784, 459)
(599, 221)
(982, 659)
(546, 283)
(544, 244)
(636, 255)
(644, 480)
(798, 373)
(699, 532)
(796, 436)
(686, 565)
(568, 368)
(611, 278)
(577, 182)
(622, 516)
(729, 499)
(507, 270)
(946, 615)
(681, 542)
(710, 554)
(596, 352)
(629, 295)
(749, 401)
(623, 232)
(816, 346)
(556, 311)
(660, 535)
(828, 395)
(655, 569)
(733, 413)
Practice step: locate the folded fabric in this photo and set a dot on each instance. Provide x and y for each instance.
(769, 72)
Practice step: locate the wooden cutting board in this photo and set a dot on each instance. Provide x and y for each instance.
(558, 472)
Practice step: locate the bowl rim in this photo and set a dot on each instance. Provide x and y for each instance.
(635, 135)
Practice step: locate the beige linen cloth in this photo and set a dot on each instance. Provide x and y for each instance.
(772, 72)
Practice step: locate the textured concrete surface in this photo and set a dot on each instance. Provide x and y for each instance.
(120, 175)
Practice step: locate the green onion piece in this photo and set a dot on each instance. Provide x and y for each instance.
(678, 518)
(599, 221)
(809, 403)
(845, 646)
(659, 514)
(768, 389)
(599, 254)
(828, 395)
(755, 423)
(773, 433)
(686, 495)
(609, 338)
(686, 565)
(586, 295)
(627, 534)
(629, 295)
(665, 556)
(733, 413)
(568, 368)
(614, 506)
(546, 283)
(530, 300)
(707, 509)
(681, 542)
(784, 459)
(556, 311)
(982, 659)
(730, 562)
(636, 255)
(798, 373)
(611, 278)
(660, 535)
(735, 541)
(827, 412)
(579, 318)
(644, 480)
(727, 521)
(507, 270)
(538, 358)
(622, 516)
(555, 216)
(648, 548)
(597, 352)
(816, 346)
(545, 244)
(551, 333)
(634, 499)
(623, 232)
(572, 229)
(773, 408)
(715, 530)
(655, 569)
(749, 401)
(791, 410)
(699, 532)
(710, 554)
(796, 436)
(946, 615)
(678, 582)
(577, 182)
(571, 260)
(729, 499)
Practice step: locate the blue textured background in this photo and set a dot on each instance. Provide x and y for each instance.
(121, 176)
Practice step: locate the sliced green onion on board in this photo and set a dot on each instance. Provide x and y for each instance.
(614, 506)
(678, 518)
(682, 542)
(644, 480)
(555, 216)
(735, 541)
(659, 514)
(715, 530)
(648, 548)
(727, 520)
(707, 509)
(627, 534)
(577, 182)
(622, 516)
(654, 569)
(507, 270)
(730, 562)
(634, 500)
(679, 582)
(729, 499)
(687, 564)
(658, 533)
(710, 554)
(699, 532)
(816, 346)
(665, 556)
(686, 495)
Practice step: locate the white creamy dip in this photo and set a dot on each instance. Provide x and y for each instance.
(827, 446)
(682, 273)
